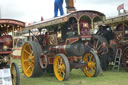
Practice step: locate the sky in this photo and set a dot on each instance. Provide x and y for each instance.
(32, 10)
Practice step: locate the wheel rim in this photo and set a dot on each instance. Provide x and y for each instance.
(125, 59)
(59, 68)
(89, 70)
(13, 74)
(27, 59)
(97, 45)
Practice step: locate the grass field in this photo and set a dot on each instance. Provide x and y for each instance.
(77, 78)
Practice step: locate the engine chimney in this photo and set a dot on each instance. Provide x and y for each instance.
(70, 6)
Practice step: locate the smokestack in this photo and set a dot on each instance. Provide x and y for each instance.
(70, 6)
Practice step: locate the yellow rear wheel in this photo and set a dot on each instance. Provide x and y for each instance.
(30, 59)
(61, 67)
(93, 65)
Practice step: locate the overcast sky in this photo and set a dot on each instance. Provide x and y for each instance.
(32, 10)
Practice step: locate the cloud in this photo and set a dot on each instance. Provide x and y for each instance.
(32, 10)
(27, 10)
(108, 7)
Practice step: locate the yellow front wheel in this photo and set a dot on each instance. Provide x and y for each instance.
(61, 67)
(93, 64)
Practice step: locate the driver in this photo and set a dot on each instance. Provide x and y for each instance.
(84, 29)
(72, 30)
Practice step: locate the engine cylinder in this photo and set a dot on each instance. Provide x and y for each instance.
(76, 49)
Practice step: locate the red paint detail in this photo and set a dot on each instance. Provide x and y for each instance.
(87, 36)
(16, 57)
(72, 40)
(62, 49)
(6, 52)
(17, 48)
(42, 19)
(50, 60)
(6, 40)
(112, 42)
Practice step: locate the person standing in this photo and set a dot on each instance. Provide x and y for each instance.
(104, 56)
(58, 6)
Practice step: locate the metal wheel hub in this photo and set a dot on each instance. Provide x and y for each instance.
(91, 64)
(61, 67)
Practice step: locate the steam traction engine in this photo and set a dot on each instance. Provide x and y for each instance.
(6, 47)
(114, 32)
(59, 44)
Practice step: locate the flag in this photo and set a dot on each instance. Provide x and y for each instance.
(42, 18)
(120, 7)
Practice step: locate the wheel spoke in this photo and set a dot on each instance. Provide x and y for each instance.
(63, 74)
(13, 71)
(94, 45)
(61, 61)
(93, 70)
(27, 51)
(85, 59)
(58, 62)
(26, 60)
(29, 47)
(62, 67)
(32, 61)
(14, 81)
(99, 47)
(30, 56)
(29, 67)
(94, 65)
(14, 74)
(97, 44)
(90, 57)
(93, 60)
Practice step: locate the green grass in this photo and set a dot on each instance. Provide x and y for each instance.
(77, 78)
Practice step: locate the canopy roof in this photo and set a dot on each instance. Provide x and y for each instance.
(62, 19)
(7, 25)
(113, 20)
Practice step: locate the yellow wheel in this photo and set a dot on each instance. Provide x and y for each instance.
(93, 65)
(61, 67)
(30, 59)
(15, 74)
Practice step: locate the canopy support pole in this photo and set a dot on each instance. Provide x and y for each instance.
(13, 35)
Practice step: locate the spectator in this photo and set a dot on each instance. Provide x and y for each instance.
(87, 47)
(104, 56)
